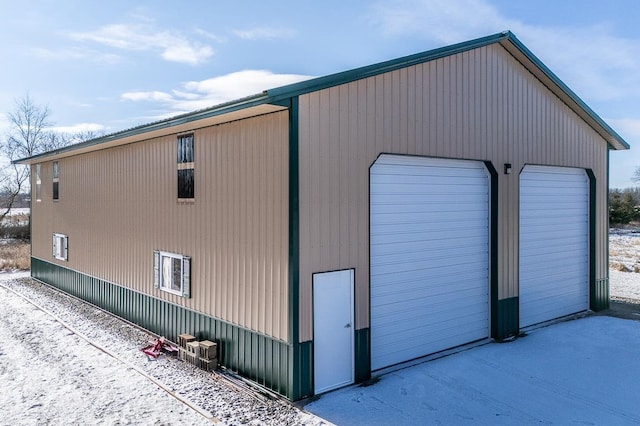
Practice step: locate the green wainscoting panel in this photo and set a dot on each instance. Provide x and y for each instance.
(260, 358)
(600, 295)
(302, 370)
(506, 319)
(363, 355)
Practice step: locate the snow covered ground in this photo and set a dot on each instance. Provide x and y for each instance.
(624, 263)
(77, 365)
(582, 371)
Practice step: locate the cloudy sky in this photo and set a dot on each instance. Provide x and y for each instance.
(110, 65)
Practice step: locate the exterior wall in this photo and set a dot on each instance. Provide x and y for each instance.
(118, 205)
(480, 105)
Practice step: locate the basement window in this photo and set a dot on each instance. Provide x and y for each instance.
(186, 172)
(56, 180)
(172, 273)
(60, 247)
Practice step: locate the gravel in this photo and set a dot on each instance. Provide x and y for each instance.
(211, 393)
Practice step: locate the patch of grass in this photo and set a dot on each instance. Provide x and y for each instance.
(15, 255)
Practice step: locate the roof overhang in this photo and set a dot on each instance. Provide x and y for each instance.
(277, 99)
(180, 124)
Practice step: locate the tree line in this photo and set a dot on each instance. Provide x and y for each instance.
(624, 205)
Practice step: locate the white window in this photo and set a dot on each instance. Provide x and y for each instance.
(60, 246)
(172, 273)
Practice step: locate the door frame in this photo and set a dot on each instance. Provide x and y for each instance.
(351, 335)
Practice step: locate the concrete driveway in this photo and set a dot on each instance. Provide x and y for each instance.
(583, 371)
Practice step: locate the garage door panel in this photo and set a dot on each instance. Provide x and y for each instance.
(433, 341)
(440, 281)
(418, 267)
(461, 210)
(554, 243)
(428, 216)
(397, 232)
(410, 242)
(418, 299)
(433, 325)
(405, 258)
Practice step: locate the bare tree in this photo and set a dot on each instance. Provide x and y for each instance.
(636, 175)
(28, 135)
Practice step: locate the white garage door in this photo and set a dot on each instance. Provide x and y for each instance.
(554, 243)
(429, 256)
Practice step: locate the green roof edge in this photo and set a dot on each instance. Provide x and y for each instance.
(277, 95)
(538, 63)
(355, 74)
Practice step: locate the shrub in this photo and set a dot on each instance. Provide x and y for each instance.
(15, 255)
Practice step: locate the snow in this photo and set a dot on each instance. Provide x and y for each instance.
(63, 361)
(624, 261)
(581, 371)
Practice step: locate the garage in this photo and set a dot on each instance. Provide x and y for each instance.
(554, 243)
(429, 252)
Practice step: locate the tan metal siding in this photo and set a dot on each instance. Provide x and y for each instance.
(118, 205)
(480, 104)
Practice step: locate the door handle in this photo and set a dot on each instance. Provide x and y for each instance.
(348, 325)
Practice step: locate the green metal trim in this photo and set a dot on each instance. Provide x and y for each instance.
(261, 358)
(614, 136)
(302, 372)
(598, 288)
(281, 95)
(507, 319)
(301, 367)
(221, 109)
(362, 354)
(493, 246)
(349, 76)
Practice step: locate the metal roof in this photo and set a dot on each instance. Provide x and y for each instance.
(278, 98)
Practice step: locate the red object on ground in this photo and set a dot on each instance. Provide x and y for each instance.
(157, 348)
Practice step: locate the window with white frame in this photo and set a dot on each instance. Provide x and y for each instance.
(60, 247)
(172, 273)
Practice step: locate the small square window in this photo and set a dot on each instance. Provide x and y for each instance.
(172, 273)
(60, 247)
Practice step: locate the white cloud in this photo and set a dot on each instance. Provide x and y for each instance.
(172, 46)
(147, 96)
(265, 33)
(74, 54)
(195, 95)
(590, 60)
(79, 128)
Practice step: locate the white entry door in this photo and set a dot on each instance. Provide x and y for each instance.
(333, 330)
